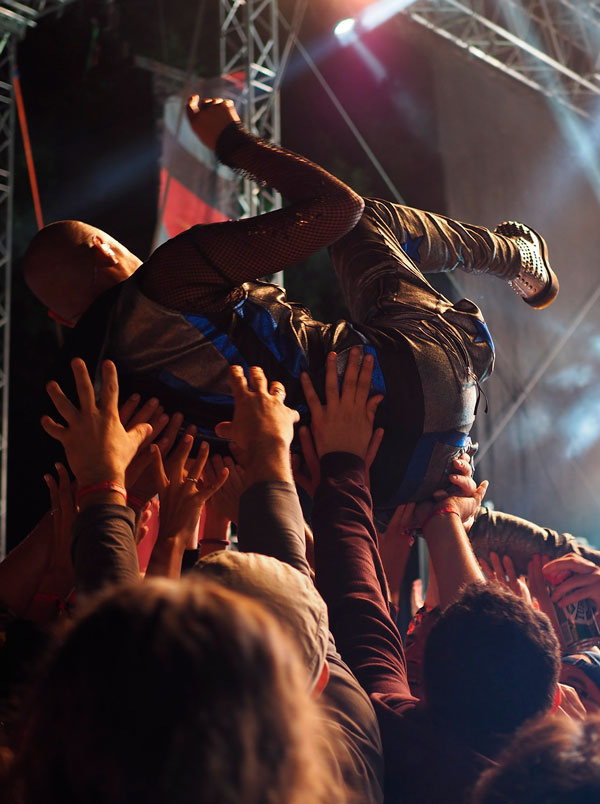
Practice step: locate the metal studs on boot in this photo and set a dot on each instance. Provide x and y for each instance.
(536, 283)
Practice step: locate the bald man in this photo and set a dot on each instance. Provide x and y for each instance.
(175, 323)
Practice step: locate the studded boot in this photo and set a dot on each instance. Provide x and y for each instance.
(536, 283)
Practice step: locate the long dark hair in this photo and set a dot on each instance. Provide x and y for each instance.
(175, 692)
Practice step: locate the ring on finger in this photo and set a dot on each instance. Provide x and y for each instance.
(191, 479)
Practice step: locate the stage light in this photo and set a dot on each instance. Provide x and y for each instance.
(377, 13)
(344, 27)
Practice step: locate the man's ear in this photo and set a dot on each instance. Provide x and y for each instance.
(105, 250)
(321, 681)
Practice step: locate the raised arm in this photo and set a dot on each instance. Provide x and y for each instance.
(206, 259)
(349, 573)
(270, 518)
(99, 450)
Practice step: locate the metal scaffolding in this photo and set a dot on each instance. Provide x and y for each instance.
(552, 46)
(7, 139)
(249, 49)
(16, 18)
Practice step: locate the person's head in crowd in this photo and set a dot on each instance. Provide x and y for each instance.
(552, 761)
(287, 593)
(69, 264)
(173, 692)
(491, 662)
(582, 672)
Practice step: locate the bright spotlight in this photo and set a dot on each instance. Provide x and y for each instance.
(344, 27)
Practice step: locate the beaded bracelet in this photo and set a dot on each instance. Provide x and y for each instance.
(109, 485)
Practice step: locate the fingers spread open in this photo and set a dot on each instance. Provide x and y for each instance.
(258, 381)
(170, 434)
(160, 478)
(179, 457)
(312, 400)
(200, 462)
(85, 389)
(128, 408)
(349, 383)
(53, 429)
(63, 405)
(109, 395)
(332, 395)
(237, 381)
(277, 389)
(364, 379)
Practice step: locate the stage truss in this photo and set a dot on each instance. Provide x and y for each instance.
(16, 18)
(552, 46)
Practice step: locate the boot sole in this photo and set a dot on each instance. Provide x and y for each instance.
(546, 296)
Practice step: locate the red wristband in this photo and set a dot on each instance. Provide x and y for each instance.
(109, 485)
(447, 509)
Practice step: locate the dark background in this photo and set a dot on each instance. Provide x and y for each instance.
(454, 135)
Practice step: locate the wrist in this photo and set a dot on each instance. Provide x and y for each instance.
(100, 474)
(273, 464)
(440, 512)
(110, 491)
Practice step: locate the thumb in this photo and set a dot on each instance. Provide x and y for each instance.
(140, 433)
(372, 405)
(481, 490)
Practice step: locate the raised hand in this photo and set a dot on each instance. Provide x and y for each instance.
(209, 117)
(261, 421)
(225, 502)
(308, 475)
(345, 422)
(573, 578)
(97, 446)
(182, 496)
(140, 477)
(502, 570)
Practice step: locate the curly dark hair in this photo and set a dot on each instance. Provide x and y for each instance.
(554, 761)
(491, 663)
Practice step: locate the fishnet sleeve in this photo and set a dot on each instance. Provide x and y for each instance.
(198, 269)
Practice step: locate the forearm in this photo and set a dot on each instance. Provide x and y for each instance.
(452, 558)
(395, 552)
(104, 550)
(166, 559)
(350, 577)
(505, 534)
(24, 567)
(271, 523)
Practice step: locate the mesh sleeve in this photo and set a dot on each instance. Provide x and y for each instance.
(199, 269)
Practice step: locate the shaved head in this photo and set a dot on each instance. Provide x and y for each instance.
(69, 264)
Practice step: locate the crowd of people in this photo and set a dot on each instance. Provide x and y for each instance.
(146, 655)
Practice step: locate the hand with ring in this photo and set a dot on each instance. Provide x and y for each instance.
(182, 497)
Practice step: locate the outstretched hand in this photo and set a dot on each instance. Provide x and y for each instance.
(261, 424)
(209, 117)
(182, 494)
(345, 422)
(97, 446)
(573, 578)
(308, 475)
